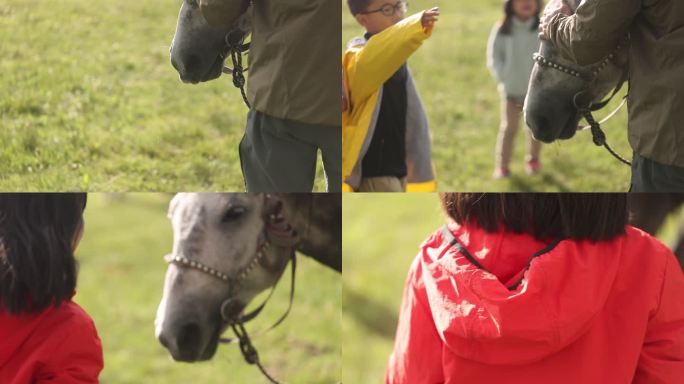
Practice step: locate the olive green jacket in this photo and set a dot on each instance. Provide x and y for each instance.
(294, 60)
(656, 95)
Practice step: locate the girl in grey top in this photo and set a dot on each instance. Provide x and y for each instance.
(509, 57)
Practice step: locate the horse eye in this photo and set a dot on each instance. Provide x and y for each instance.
(232, 214)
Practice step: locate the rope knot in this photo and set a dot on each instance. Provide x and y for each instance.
(248, 351)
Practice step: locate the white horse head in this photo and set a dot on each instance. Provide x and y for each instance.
(221, 235)
(550, 111)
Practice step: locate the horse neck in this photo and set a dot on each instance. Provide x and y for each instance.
(316, 217)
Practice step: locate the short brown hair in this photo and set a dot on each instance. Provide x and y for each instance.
(578, 216)
(357, 6)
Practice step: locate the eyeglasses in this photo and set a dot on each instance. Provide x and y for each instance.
(389, 9)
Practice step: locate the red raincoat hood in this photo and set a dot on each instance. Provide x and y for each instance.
(480, 319)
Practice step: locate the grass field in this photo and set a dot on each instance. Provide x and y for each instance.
(462, 105)
(382, 234)
(120, 285)
(90, 101)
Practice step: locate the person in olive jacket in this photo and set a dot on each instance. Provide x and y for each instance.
(294, 92)
(656, 75)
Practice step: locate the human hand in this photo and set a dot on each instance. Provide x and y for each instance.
(430, 17)
(551, 10)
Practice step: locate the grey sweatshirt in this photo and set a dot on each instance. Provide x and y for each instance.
(509, 57)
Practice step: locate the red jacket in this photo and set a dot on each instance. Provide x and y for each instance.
(56, 346)
(609, 312)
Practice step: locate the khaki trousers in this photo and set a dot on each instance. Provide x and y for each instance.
(511, 113)
(382, 184)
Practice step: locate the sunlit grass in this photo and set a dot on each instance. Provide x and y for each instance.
(90, 101)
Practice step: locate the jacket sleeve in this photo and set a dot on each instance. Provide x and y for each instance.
(594, 30)
(417, 356)
(77, 360)
(662, 356)
(374, 63)
(496, 55)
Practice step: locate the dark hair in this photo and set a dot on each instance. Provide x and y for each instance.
(505, 27)
(37, 265)
(357, 6)
(578, 216)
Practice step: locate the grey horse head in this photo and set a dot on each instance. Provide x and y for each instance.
(198, 49)
(223, 231)
(549, 109)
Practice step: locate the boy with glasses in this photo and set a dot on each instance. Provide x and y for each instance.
(385, 138)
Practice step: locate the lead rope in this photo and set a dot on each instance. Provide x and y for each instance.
(236, 47)
(248, 351)
(599, 137)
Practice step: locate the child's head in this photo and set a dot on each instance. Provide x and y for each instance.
(377, 15)
(39, 233)
(523, 10)
(577, 216)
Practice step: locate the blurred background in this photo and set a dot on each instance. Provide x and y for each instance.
(120, 284)
(90, 101)
(462, 104)
(382, 235)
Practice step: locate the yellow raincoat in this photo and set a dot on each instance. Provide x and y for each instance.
(367, 65)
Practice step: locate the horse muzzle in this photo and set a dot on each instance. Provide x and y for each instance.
(189, 341)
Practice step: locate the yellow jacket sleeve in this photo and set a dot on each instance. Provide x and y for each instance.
(371, 65)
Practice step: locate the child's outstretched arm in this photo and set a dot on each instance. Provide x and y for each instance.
(374, 63)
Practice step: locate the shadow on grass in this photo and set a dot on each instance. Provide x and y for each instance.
(374, 315)
(525, 184)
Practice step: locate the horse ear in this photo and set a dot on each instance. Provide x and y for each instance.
(223, 13)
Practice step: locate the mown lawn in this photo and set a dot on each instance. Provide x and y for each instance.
(120, 285)
(90, 101)
(382, 235)
(462, 104)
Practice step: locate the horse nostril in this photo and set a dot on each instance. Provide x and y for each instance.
(189, 337)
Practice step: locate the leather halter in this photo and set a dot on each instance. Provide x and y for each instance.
(277, 232)
(582, 99)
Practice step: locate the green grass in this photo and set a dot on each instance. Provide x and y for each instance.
(90, 101)
(382, 235)
(120, 285)
(462, 105)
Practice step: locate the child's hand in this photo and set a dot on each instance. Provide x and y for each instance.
(430, 17)
(549, 12)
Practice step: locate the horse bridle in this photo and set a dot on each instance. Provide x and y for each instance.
(582, 99)
(277, 232)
